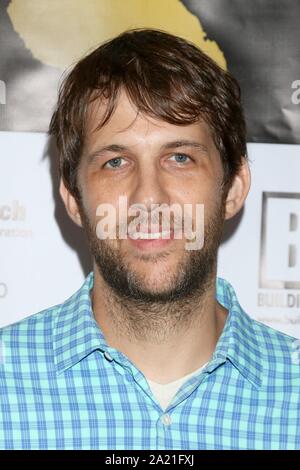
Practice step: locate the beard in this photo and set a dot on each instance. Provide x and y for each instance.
(193, 275)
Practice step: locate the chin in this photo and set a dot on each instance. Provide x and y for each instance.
(156, 280)
(157, 273)
(156, 287)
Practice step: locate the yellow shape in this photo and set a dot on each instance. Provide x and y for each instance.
(60, 32)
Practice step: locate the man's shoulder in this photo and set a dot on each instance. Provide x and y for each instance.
(279, 351)
(36, 333)
(42, 321)
(267, 337)
(34, 329)
(276, 339)
(268, 349)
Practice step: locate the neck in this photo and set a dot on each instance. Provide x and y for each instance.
(164, 341)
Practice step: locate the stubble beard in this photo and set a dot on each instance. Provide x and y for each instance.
(152, 314)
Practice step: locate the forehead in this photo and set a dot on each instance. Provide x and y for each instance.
(129, 126)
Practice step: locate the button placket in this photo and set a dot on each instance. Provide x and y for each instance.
(166, 419)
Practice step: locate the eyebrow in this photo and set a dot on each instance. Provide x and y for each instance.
(169, 145)
(185, 143)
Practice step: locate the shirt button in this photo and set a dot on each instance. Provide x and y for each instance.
(166, 419)
(108, 356)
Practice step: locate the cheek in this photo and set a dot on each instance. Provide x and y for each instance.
(200, 190)
(95, 193)
(206, 192)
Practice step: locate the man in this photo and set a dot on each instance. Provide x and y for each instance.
(153, 351)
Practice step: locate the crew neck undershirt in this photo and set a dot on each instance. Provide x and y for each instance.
(165, 392)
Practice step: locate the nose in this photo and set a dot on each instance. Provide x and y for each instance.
(149, 188)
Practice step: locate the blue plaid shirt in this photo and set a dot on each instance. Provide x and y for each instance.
(63, 387)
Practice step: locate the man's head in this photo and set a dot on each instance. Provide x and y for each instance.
(149, 117)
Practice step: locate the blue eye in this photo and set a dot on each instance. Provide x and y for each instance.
(180, 157)
(114, 162)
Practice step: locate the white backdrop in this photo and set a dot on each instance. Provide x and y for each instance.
(44, 257)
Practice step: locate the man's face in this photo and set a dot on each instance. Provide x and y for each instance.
(153, 162)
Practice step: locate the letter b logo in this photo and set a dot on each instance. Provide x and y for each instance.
(280, 241)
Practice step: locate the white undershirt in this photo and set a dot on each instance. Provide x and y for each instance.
(165, 392)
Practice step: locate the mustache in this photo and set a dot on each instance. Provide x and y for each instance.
(155, 220)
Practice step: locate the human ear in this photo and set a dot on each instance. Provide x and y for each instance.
(70, 203)
(238, 190)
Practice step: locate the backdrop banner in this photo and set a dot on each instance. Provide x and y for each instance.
(258, 41)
